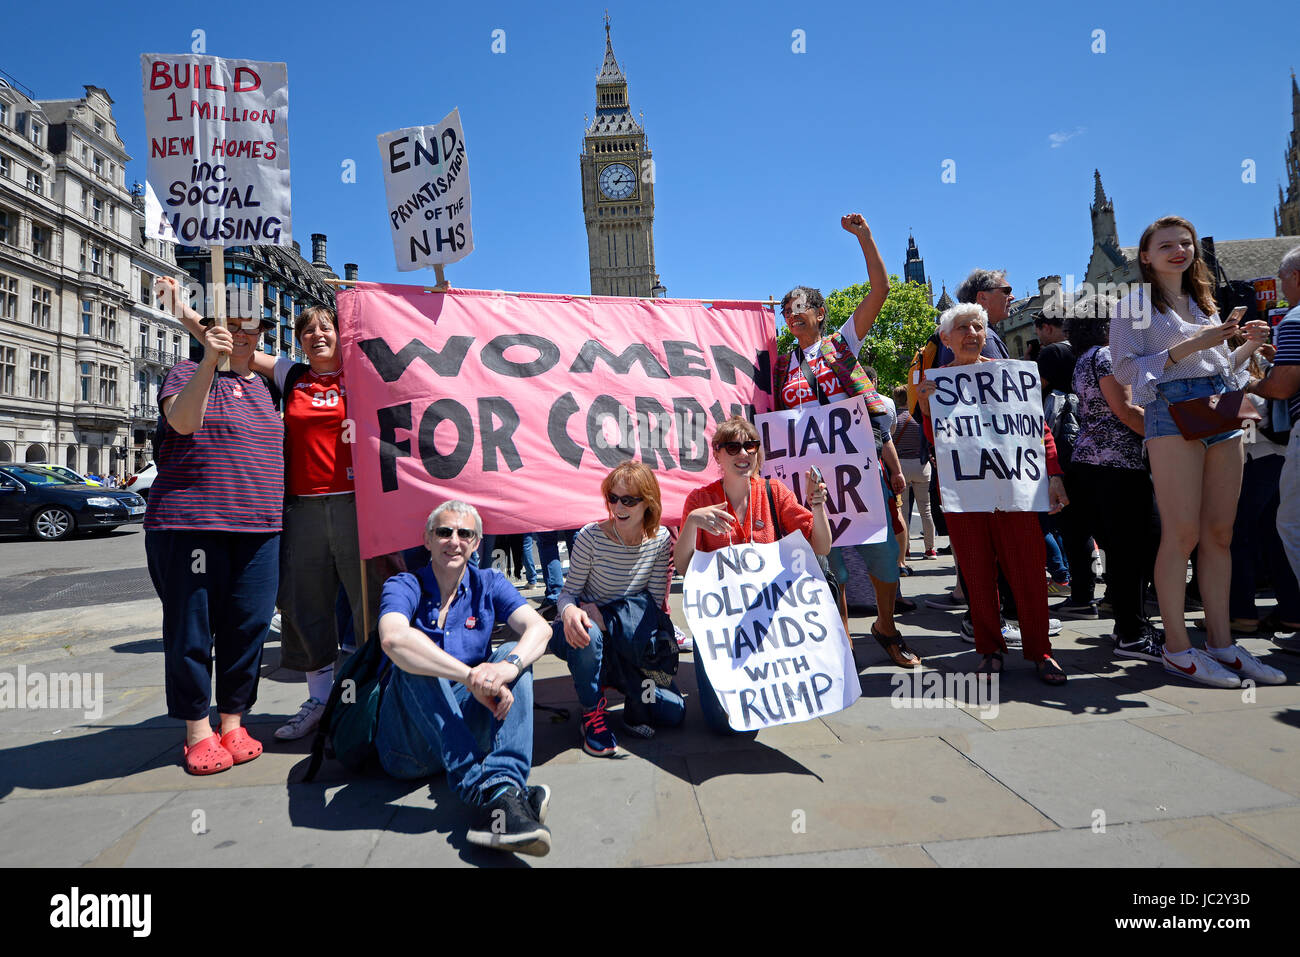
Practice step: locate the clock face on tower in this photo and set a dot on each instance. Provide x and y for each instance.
(617, 181)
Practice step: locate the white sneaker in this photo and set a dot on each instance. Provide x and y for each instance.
(1245, 665)
(303, 723)
(1053, 627)
(684, 641)
(275, 623)
(1203, 668)
(1011, 635)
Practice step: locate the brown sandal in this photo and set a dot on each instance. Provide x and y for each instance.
(897, 649)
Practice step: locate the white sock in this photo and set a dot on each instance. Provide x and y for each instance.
(320, 682)
(1179, 655)
(1222, 654)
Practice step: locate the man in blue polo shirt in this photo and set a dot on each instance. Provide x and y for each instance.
(1283, 382)
(452, 704)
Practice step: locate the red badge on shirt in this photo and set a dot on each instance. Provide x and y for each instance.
(471, 621)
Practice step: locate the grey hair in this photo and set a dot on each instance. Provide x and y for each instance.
(1290, 263)
(980, 280)
(961, 311)
(460, 508)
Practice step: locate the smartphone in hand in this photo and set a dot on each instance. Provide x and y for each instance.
(817, 474)
(1235, 316)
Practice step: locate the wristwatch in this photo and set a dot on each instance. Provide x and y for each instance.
(514, 660)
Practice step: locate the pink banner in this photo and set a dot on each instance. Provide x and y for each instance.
(521, 404)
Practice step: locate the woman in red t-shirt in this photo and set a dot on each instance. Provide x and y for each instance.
(734, 510)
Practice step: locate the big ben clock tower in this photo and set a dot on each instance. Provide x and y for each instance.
(618, 193)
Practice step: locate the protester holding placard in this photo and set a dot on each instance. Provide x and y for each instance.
(212, 540)
(737, 509)
(611, 628)
(825, 368)
(987, 541)
(1168, 343)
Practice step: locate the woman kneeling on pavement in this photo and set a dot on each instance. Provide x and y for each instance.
(212, 540)
(984, 542)
(611, 629)
(735, 510)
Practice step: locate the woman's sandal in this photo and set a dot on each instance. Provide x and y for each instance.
(1050, 673)
(241, 746)
(208, 756)
(986, 664)
(897, 649)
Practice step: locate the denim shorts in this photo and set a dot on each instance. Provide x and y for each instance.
(1159, 421)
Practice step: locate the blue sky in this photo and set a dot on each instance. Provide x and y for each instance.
(758, 149)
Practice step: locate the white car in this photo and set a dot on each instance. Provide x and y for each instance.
(142, 480)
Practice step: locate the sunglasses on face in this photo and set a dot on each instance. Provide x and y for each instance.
(1005, 290)
(627, 501)
(733, 448)
(464, 534)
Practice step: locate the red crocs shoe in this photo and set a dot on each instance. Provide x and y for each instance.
(241, 747)
(208, 756)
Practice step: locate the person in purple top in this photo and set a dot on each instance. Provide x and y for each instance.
(212, 540)
(450, 703)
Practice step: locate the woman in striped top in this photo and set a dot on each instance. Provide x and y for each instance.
(610, 619)
(212, 540)
(1167, 342)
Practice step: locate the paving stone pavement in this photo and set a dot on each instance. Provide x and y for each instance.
(1124, 766)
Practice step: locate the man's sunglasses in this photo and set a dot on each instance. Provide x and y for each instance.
(733, 448)
(464, 534)
(627, 501)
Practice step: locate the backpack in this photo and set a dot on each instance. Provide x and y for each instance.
(921, 361)
(1061, 413)
(351, 717)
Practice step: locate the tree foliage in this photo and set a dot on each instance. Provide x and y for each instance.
(905, 322)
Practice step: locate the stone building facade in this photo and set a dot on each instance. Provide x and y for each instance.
(618, 191)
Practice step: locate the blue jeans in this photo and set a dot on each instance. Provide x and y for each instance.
(530, 570)
(714, 715)
(224, 605)
(548, 550)
(668, 710)
(1057, 566)
(1159, 421)
(429, 724)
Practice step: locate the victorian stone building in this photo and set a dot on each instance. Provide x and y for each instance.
(83, 351)
(618, 191)
(1286, 218)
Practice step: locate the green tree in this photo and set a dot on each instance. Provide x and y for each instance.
(904, 323)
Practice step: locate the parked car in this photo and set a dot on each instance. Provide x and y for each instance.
(40, 502)
(141, 481)
(67, 473)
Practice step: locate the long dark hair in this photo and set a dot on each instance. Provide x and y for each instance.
(1196, 277)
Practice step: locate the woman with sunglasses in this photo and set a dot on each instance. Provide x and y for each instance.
(610, 627)
(734, 510)
(320, 551)
(825, 368)
(1169, 345)
(212, 540)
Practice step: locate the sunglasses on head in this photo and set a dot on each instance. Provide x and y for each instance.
(733, 448)
(627, 501)
(464, 534)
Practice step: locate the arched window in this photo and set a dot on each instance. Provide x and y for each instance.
(71, 459)
(6, 452)
(35, 453)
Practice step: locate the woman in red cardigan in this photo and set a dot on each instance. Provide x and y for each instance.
(1012, 541)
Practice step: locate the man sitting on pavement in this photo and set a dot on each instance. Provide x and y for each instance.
(450, 703)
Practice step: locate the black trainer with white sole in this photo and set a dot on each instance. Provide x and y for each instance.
(508, 823)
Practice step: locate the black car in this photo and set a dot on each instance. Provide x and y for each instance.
(49, 506)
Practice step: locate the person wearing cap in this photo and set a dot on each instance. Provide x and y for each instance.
(212, 538)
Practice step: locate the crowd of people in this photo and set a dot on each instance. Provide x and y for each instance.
(254, 508)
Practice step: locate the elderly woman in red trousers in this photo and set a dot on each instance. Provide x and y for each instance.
(983, 542)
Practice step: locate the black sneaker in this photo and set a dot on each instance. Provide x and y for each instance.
(508, 823)
(539, 799)
(1149, 646)
(1088, 611)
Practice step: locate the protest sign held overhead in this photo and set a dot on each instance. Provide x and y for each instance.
(836, 438)
(426, 177)
(769, 633)
(218, 150)
(520, 404)
(988, 435)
